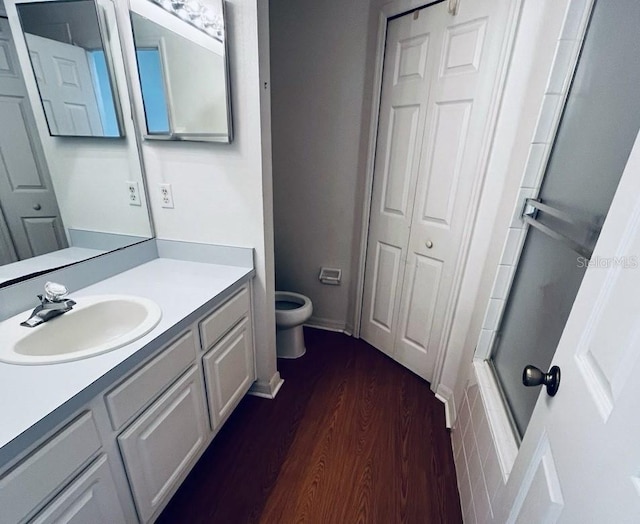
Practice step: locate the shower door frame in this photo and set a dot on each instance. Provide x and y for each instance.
(565, 61)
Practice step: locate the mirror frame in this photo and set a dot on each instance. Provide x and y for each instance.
(103, 31)
(145, 9)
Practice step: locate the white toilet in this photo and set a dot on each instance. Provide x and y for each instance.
(292, 310)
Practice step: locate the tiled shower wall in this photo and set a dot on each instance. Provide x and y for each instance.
(476, 459)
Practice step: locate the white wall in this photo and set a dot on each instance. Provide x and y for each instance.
(322, 76)
(222, 193)
(89, 174)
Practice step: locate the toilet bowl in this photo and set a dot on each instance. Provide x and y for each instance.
(292, 310)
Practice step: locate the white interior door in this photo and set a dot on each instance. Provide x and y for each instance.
(411, 56)
(27, 199)
(437, 91)
(580, 455)
(66, 87)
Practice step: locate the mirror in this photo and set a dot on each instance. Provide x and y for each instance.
(181, 59)
(72, 68)
(62, 200)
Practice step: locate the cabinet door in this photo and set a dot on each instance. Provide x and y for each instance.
(161, 445)
(229, 371)
(92, 497)
(215, 325)
(56, 463)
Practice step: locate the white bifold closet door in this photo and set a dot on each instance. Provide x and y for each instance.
(438, 84)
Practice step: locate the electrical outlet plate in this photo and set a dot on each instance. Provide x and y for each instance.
(166, 196)
(133, 192)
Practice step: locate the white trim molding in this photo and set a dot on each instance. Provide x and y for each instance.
(445, 395)
(506, 443)
(327, 325)
(267, 389)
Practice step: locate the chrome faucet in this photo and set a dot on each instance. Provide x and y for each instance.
(52, 304)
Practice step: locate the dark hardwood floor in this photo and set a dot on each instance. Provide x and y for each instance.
(352, 437)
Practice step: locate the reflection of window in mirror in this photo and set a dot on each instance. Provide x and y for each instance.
(102, 87)
(153, 90)
(183, 76)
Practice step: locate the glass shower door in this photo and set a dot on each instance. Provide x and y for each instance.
(599, 124)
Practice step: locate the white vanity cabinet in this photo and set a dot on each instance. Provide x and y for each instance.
(160, 447)
(229, 366)
(229, 372)
(134, 443)
(65, 480)
(92, 497)
(163, 406)
(166, 438)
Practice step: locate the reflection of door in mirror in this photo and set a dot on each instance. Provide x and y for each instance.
(66, 88)
(30, 222)
(71, 66)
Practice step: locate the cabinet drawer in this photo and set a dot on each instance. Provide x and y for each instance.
(229, 372)
(160, 447)
(224, 318)
(130, 397)
(92, 497)
(27, 486)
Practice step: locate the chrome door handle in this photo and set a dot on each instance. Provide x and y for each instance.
(532, 376)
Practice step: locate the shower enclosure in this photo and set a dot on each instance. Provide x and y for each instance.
(599, 124)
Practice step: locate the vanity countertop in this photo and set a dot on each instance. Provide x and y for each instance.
(59, 258)
(182, 289)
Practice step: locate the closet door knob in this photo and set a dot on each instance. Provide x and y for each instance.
(37, 207)
(429, 244)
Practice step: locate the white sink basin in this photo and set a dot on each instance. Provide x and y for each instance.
(95, 325)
